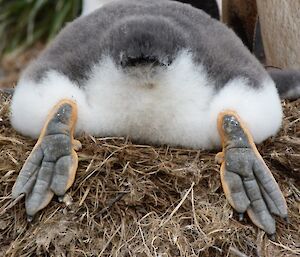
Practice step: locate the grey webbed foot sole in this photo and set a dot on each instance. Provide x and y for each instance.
(51, 167)
(247, 182)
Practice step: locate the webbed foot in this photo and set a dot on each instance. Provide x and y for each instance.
(51, 167)
(247, 182)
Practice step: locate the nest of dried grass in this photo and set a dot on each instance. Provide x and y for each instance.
(139, 200)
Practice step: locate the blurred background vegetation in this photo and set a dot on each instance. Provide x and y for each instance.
(23, 22)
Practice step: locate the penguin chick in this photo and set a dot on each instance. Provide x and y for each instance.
(160, 72)
(197, 67)
(287, 82)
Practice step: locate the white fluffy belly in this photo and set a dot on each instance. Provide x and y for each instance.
(177, 105)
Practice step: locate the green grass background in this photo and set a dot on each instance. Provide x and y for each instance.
(23, 22)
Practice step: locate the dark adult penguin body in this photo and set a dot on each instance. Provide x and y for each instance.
(160, 72)
(209, 6)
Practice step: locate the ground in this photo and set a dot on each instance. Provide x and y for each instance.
(140, 200)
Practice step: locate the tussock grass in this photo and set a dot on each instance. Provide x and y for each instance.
(23, 22)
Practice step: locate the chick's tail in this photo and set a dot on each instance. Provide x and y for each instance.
(145, 40)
